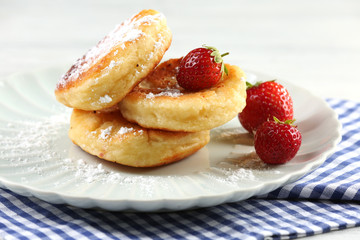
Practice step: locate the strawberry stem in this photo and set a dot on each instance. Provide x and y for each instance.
(218, 58)
(250, 85)
(289, 121)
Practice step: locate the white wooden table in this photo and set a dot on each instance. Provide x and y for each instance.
(313, 44)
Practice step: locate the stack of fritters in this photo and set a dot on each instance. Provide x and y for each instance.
(130, 111)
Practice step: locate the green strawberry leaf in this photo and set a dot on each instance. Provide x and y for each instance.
(218, 58)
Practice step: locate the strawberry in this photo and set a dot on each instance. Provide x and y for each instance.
(265, 100)
(277, 142)
(201, 68)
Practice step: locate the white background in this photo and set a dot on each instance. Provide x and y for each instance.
(313, 44)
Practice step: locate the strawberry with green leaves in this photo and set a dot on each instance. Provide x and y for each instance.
(265, 100)
(201, 68)
(277, 142)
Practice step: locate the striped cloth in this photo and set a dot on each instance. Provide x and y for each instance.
(324, 200)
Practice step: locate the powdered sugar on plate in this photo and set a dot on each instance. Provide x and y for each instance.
(39, 150)
(41, 154)
(28, 136)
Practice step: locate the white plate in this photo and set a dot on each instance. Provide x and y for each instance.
(38, 159)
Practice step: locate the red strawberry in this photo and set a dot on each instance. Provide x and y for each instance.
(201, 68)
(265, 100)
(277, 142)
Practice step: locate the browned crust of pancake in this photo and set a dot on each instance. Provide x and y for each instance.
(139, 147)
(187, 111)
(70, 80)
(80, 80)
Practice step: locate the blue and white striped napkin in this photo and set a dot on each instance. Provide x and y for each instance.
(324, 200)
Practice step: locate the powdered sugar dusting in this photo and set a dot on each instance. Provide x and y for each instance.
(124, 130)
(128, 31)
(39, 149)
(160, 42)
(112, 64)
(230, 175)
(29, 145)
(166, 92)
(105, 99)
(157, 45)
(151, 55)
(239, 168)
(89, 173)
(25, 135)
(105, 133)
(150, 95)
